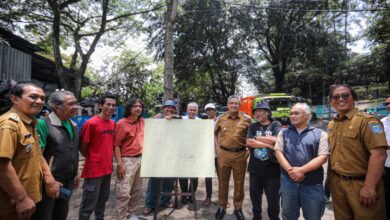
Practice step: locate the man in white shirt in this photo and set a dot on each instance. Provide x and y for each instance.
(386, 177)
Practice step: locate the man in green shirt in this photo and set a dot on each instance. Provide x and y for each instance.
(59, 141)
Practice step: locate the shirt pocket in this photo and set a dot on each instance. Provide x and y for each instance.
(28, 147)
(349, 142)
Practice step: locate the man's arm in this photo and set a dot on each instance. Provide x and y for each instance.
(258, 144)
(266, 139)
(83, 148)
(282, 160)
(10, 183)
(312, 165)
(121, 170)
(52, 187)
(374, 172)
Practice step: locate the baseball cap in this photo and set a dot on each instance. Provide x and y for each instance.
(210, 105)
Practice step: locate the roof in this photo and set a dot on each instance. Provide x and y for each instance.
(19, 42)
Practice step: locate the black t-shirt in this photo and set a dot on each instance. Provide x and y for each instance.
(263, 167)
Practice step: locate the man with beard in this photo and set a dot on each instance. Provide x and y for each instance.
(129, 141)
(59, 141)
(169, 112)
(263, 168)
(96, 145)
(21, 162)
(358, 153)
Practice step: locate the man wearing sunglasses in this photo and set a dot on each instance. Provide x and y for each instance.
(386, 176)
(358, 153)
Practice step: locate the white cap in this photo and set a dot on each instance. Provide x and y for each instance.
(210, 105)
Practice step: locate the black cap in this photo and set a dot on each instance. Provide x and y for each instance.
(262, 105)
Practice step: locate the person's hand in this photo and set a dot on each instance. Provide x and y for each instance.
(25, 207)
(121, 171)
(367, 196)
(76, 182)
(296, 174)
(52, 189)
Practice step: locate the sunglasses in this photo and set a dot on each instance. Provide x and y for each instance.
(344, 96)
(386, 103)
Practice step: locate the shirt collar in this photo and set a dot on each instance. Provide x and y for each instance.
(55, 120)
(25, 118)
(349, 115)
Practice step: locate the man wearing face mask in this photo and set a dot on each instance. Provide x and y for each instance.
(169, 112)
(59, 141)
(263, 168)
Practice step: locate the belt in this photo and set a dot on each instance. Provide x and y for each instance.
(349, 177)
(138, 155)
(233, 149)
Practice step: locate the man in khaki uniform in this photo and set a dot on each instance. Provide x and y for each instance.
(230, 131)
(21, 163)
(358, 153)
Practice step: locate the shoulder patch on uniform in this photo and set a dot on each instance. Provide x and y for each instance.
(376, 128)
(14, 117)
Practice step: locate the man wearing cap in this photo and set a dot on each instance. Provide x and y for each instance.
(358, 154)
(168, 112)
(231, 129)
(263, 168)
(211, 112)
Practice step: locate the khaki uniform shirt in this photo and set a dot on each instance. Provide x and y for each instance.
(351, 138)
(19, 143)
(232, 131)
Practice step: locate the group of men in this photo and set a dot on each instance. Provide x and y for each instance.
(39, 159)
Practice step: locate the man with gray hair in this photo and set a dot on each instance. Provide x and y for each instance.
(59, 141)
(192, 111)
(230, 131)
(301, 151)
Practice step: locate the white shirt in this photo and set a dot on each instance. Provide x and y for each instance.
(386, 125)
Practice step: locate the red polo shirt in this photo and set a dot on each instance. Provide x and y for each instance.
(99, 135)
(129, 136)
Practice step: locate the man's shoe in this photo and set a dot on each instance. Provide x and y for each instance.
(239, 215)
(184, 200)
(207, 202)
(220, 213)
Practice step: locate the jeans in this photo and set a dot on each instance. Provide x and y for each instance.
(295, 196)
(95, 195)
(271, 186)
(151, 192)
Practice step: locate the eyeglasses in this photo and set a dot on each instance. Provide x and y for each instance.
(344, 96)
(386, 103)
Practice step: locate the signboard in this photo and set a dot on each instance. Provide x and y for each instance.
(178, 148)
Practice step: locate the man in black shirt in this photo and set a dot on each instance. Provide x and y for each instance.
(263, 168)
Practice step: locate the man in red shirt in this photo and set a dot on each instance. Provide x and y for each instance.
(129, 137)
(96, 145)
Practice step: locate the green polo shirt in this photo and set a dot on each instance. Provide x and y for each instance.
(43, 132)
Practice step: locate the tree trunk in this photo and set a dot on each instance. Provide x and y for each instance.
(168, 49)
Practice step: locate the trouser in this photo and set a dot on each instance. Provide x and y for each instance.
(95, 195)
(128, 189)
(209, 182)
(295, 196)
(48, 209)
(228, 162)
(271, 186)
(185, 188)
(345, 199)
(152, 190)
(386, 182)
(11, 216)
